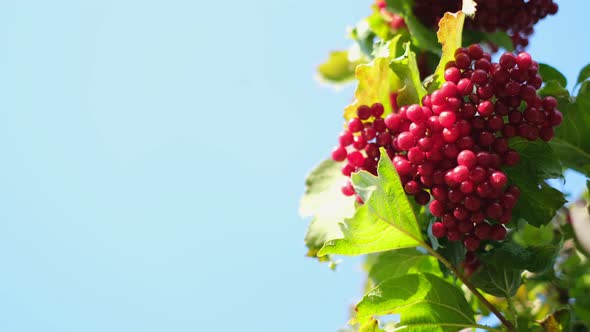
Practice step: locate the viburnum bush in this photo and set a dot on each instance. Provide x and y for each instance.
(439, 174)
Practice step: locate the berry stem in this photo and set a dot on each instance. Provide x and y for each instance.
(472, 288)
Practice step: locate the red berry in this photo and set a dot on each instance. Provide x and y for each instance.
(412, 187)
(406, 140)
(356, 158)
(452, 74)
(355, 125)
(523, 60)
(422, 198)
(436, 208)
(438, 229)
(498, 232)
(377, 110)
(345, 138)
(339, 154)
(482, 231)
(498, 179)
(507, 60)
(364, 112)
(348, 189)
(471, 243)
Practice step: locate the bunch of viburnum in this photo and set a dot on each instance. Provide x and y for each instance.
(449, 151)
(440, 173)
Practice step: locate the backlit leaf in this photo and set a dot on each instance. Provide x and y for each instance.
(324, 201)
(384, 222)
(424, 302)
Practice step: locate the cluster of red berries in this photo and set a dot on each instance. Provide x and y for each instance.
(454, 146)
(516, 17)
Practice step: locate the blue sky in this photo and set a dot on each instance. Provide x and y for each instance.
(154, 154)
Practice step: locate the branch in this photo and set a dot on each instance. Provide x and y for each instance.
(472, 288)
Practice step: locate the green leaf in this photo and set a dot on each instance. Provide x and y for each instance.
(500, 38)
(324, 201)
(497, 281)
(364, 37)
(549, 73)
(400, 262)
(422, 37)
(529, 235)
(510, 255)
(572, 137)
(338, 68)
(406, 68)
(376, 82)
(538, 202)
(584, 74)
(424, 302)
(386, 221)
(379, 25)
(500, 274)
(555, 89)
(539, 158)
(449, 35)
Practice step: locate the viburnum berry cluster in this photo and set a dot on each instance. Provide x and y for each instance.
(453, 147)
(516, 17)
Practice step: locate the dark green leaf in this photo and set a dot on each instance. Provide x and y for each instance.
(324, 201)
(454, 252)
(572, 137)
(513, 256)
(497, 281)
(539, 158)
(538, 201)
(406, 68)
(422, 37)
(555, 89)
(338, 68)
(584, 74)
(501, 39)
(386, 221)
(400, 262)
(424, 302)
(549, 73)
